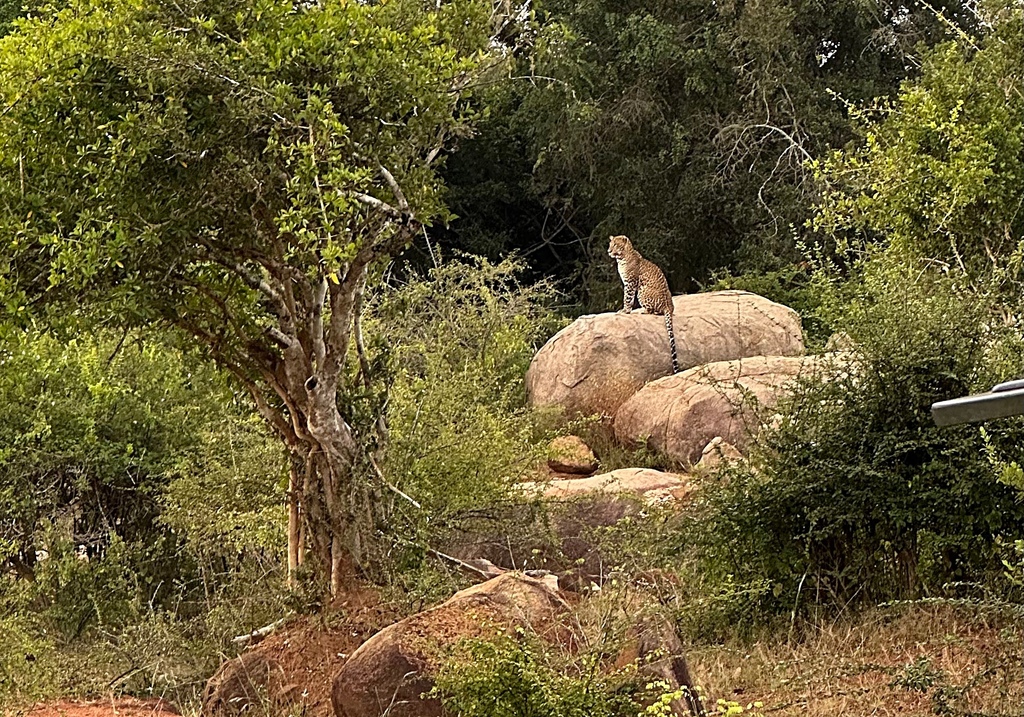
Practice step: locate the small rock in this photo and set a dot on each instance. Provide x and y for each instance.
(838, 342)
(569, 454)
(717, 452)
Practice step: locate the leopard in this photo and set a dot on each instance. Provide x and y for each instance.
(643, 281)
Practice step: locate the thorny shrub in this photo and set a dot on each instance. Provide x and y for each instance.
(853, 493)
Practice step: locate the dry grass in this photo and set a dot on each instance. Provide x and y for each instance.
(908, 660)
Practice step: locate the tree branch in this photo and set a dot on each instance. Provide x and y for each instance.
(403, 205)
(377, 204)
(317, 330)
(283, 339)
(357, 329)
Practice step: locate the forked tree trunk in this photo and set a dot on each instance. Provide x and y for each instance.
(333, 494)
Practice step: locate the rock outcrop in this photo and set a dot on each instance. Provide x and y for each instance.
(564, 537)
(649, 485)
(678, 415)
(596, 363)
(391, 673)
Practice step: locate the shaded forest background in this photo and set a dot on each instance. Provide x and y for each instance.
(862, 162)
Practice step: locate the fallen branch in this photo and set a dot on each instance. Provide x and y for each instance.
(257, 635)
(478, 566)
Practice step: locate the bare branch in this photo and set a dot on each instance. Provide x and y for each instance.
(255, 282)
(794, 144)
(403, 205)
(283, 339)
(257, 635)
(280, 424)
(377, 204)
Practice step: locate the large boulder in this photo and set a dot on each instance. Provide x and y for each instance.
(593, 365)
(678, 415)
(391, 673)
(239, 686)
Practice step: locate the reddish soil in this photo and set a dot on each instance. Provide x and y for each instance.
(310, 651)
(119, 707)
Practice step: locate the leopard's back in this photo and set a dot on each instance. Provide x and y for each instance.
(652, 288)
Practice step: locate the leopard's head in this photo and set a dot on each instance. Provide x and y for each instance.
(619, 246)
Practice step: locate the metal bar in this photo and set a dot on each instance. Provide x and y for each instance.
(1002, 403)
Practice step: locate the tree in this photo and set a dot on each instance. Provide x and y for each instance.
(922, 274)
(940, 170)
(686, 125)
(237, 170)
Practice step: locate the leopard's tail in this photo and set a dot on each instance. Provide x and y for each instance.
(672, 342)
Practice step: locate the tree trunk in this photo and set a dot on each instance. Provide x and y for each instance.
(294, 533)
(296, 387)
(339, 502)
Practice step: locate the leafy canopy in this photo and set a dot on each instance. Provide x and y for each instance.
(686, 125)
(149, 148)
(941, 168)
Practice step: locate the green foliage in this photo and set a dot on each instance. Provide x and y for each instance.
(141, 517)
(685, 125)
(941, 168)
(90, 437)
(855, 494)
(232, 171)
(918, 675)
(227, 497)
(520, 677)
(9, 10)
(145, 142)
(26, 656)
(79, 592)
(460, 342)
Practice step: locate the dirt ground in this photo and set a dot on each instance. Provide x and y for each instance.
(308, 652)
(114, 707)
(903, 662)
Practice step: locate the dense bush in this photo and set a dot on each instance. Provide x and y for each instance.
(226, 500)
(941, 166)
(855, 493)
(141, 517)
(685, 125)
(90, 436)
(460, 342)
(521, 677)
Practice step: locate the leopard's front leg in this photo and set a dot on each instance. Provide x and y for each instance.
(628, 296)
